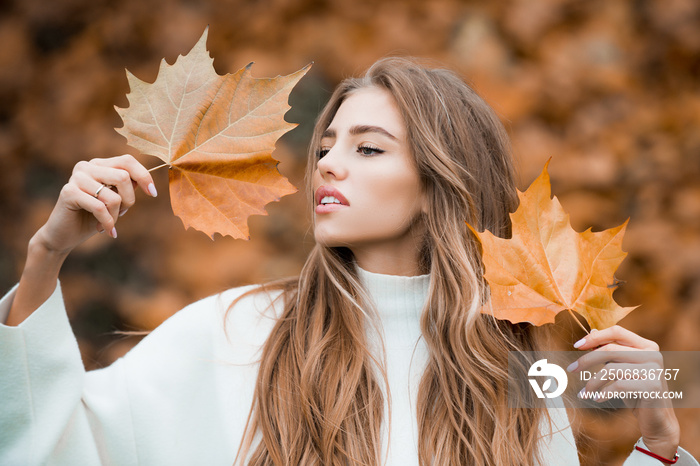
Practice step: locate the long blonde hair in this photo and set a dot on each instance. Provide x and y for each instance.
(317, 398)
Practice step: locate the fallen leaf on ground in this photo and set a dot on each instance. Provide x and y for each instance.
(546, 267)
(216, 134)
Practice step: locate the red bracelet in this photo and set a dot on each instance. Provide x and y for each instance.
(660, 458)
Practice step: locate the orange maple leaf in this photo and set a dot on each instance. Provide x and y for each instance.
(547, 267)
(216, 134)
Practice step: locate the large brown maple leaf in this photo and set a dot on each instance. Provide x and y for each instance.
(547, 267)
(216, 134)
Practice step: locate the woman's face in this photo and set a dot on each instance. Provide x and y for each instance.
(367, 190)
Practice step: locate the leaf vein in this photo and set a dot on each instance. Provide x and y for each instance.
(155, 118)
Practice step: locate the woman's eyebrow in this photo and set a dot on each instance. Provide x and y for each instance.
(360, 129)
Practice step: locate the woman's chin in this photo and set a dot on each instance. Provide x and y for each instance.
(330, 240)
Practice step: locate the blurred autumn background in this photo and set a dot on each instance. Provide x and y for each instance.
(609, 89)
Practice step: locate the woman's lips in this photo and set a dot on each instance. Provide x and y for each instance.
(328, 208)
(324, 191)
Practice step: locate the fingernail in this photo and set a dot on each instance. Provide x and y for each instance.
(100, 230)
(152, 190)
(122, 212)
(114, 233)
(594, 330)
(572, 366)
(579, 343)
(583, 390)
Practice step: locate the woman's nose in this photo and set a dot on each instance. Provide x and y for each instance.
(332, 164)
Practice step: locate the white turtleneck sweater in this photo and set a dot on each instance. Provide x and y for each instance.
(183, 394)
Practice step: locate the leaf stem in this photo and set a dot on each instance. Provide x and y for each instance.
(159, 166)
(578, 321)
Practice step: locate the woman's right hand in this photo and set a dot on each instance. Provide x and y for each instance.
(79, 214)
(84, 207)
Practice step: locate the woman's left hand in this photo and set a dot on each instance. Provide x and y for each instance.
(657, 420)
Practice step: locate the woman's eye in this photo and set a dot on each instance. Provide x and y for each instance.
(369, 150)
(322, 153)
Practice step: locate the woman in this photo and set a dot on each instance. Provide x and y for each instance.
(376, 354)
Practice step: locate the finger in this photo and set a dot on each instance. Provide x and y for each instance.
(631, 376)
(595, 358)
(112, 200)
(80, 200)
(84, 179)
(615, 334)
(119, 179)
(612, 353)
(642, 391)
(137, 172)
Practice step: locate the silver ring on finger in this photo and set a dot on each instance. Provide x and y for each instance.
(97, 193)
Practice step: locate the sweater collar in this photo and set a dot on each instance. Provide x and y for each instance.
(399, 301)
